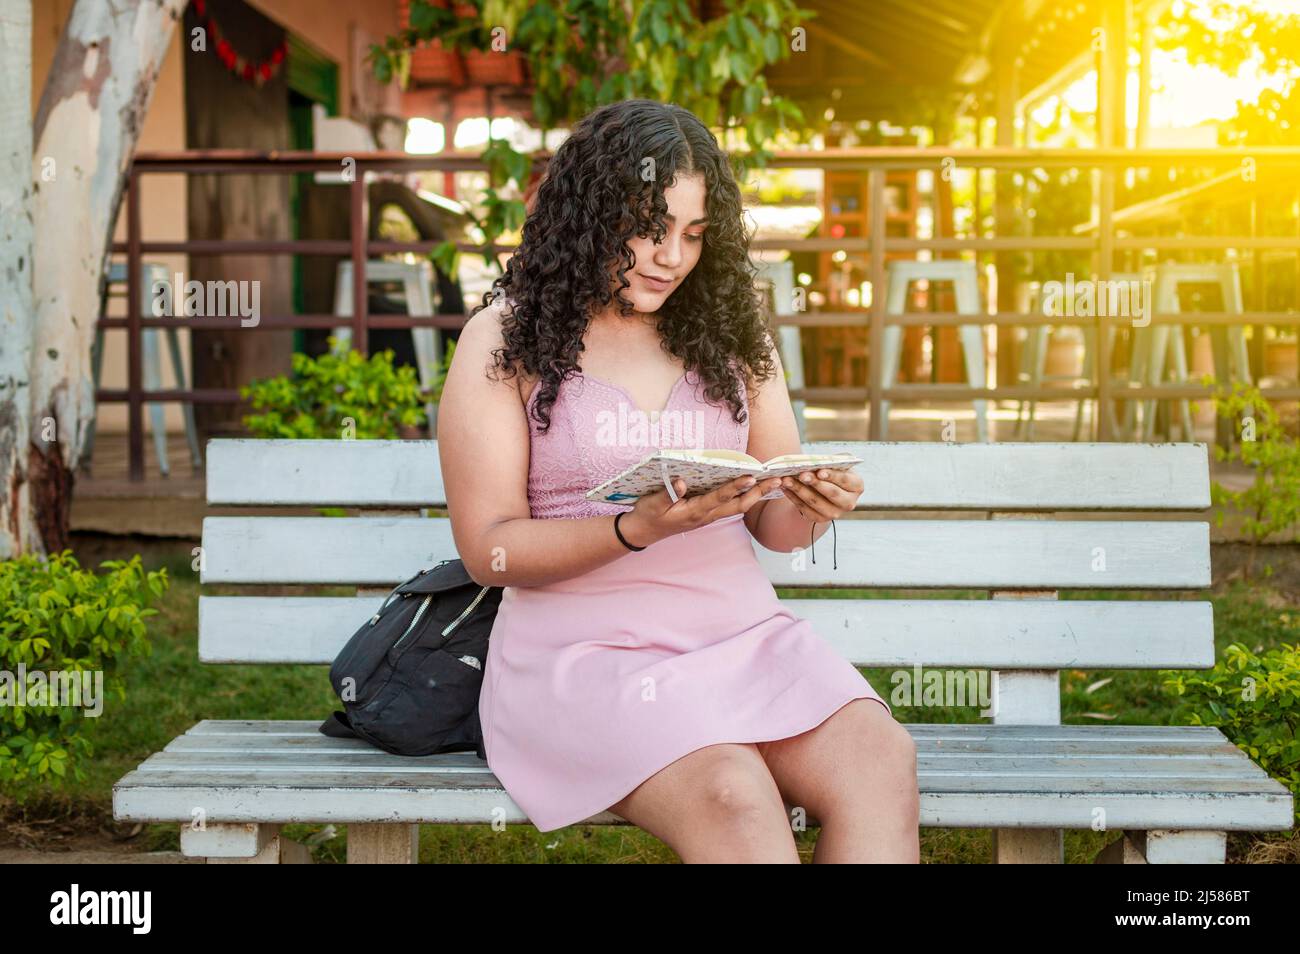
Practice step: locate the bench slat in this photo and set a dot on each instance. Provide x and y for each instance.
(1117, 766)
(934, 748)
(898, 475)
(989, 634)
(148, 796)
(984, 554)
(306, 729)
(945, 802)
(1043, 779)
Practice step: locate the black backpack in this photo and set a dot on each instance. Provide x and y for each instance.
(409, 679)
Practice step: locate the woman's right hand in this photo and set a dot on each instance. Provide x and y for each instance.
(656, 517)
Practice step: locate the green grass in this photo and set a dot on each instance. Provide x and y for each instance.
(170, 691)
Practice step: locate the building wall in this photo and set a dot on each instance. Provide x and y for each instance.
(340, 29)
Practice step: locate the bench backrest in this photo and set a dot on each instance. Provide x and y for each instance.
(1016, 521)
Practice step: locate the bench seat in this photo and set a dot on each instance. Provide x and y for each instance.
(971, 776)
(1018, 524)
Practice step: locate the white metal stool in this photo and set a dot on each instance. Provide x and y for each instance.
(152, 276)
(1155, 341)
(780, 275)
(417, 283)
(966, 285)
(1034, 357)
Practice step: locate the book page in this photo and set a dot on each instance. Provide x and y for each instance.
(722, 455)
(656, 471)
(818, 459)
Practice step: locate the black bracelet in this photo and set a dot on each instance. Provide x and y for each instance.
(619, 532)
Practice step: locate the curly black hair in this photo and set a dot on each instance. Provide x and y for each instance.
(594, 198)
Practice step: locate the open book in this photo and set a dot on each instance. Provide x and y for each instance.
(706, 470)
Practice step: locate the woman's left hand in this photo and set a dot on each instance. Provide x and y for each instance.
(824, 495)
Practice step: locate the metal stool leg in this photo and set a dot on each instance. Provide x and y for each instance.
(187, 407)
(1180, 370)
(428, 348)
(1041, 336)
(965, 285)
(1230, 282)
(892, 347)
(789, 340)
(891, 356)
(1137, 374)
(972, 340)
(155, 278)
(152, 374)
(343, 307)
(1156, 365)
(1228, 345)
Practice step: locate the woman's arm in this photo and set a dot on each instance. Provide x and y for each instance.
(783, 524)
(483, 448)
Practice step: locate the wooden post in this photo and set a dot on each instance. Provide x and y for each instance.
(359, 224)
(1105, 255)
(1144, 80)
(134, 303)
(1007, 83)
(390, 843)
(1112, 66)
(1026, 697)
(875, 367)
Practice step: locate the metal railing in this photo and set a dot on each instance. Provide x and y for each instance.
(876, 162)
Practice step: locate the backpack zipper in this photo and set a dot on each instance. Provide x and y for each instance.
(384, 605)
(468, 609)
(414, 619)
(374, 619)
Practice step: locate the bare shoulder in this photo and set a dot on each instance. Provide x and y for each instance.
(482, 333)
(479, 339)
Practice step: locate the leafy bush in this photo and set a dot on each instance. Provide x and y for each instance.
(337, 396)
(61, 621)
(1272, 504)
(449, 350)
(1255, 700)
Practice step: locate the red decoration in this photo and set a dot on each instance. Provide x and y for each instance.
(252, 71)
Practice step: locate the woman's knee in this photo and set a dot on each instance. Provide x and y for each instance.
(718, 785)
(739, 790)
(883, 756)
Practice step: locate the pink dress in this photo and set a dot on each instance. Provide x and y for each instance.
(595, 683)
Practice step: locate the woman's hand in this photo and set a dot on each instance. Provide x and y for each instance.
(824, 496)
(656, 517)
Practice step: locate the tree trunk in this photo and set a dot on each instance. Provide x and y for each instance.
(87, 125)
(16, 320)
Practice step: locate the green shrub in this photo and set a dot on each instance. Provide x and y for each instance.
(56, 618)
(337, 396)
(1271, 505)
(1254, 700)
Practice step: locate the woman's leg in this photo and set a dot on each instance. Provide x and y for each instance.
(716, 804)
(855, 773)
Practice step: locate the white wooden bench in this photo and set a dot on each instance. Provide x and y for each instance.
(978, 516)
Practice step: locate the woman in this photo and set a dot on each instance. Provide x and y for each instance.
(640, 661)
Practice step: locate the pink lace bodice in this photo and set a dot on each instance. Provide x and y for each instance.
(597, 431)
